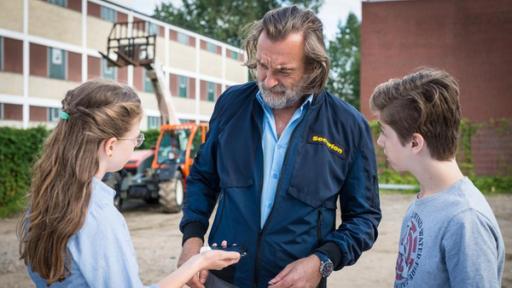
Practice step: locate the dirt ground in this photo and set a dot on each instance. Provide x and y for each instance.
(157, 241)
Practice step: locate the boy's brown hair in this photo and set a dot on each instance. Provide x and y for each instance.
(424, 102)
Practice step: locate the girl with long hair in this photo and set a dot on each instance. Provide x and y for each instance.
(72, 235)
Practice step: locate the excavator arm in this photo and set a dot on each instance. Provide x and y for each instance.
(162, 92)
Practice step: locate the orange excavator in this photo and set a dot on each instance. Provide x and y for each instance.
(157, 175)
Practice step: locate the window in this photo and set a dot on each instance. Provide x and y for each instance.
(1, 53)
(148, 86)
(211, 91)
(53, 114)
(108, 14)
(153, 122)
(182, 38)
(211, 47)
(166, 147)
(12, 112)
(62, 3)
(151, 28)
(173, 146)
(106, 71)
(182, 86)
(234, 55)
(56, 63)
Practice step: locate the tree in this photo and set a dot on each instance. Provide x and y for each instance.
(223, 19)
(344, 51)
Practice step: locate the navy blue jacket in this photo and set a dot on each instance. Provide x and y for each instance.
(330, 156)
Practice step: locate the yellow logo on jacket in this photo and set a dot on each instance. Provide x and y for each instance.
(331, 146)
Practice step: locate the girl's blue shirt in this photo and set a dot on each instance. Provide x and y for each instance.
(101, 252)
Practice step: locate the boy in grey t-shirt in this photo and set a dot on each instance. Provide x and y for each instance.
(449, 236)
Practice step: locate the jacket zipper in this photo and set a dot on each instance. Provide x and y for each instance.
(319, 226)
(257, 256)
(279, 184)
(221, 207)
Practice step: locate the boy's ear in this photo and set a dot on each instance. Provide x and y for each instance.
(417, 142)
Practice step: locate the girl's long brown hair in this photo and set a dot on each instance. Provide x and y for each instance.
(61, 179)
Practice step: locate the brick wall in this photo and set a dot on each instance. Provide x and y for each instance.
(469, 39)
(39, 114)
(38, 60)
(13, 55)
(74, 67)
(492, 149)
(13, 112)
(173, 84)
(94, 67)
(191, 89)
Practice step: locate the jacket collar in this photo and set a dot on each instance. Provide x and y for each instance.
(318, 99)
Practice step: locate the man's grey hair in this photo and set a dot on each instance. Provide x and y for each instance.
(281, 22)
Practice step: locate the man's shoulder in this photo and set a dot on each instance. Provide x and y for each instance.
(233, 100)
(345, 116)
(243, 88)
(341, 108)
(239, 92)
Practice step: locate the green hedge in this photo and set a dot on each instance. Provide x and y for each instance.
(493, 184)
(18, 151)
(486, 184)
(150, 138)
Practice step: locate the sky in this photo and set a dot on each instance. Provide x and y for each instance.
(331, 12)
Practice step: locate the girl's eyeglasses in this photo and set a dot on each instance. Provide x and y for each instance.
(139, 139)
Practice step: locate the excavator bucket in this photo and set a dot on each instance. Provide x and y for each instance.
(130, 43)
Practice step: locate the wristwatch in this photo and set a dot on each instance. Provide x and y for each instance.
(326, 265)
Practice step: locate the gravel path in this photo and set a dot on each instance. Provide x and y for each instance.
(157, 241)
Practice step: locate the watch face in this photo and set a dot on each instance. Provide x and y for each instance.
(326, 268)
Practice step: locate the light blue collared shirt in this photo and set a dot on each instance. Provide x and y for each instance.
(101, 252)
(274, 150)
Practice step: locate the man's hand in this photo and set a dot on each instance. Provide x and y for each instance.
(304, 272)
(190, 248)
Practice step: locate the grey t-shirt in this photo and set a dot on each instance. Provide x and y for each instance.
(450, 239)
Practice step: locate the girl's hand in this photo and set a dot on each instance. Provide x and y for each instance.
(218, 259)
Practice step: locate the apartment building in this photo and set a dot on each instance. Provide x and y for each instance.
(50, 46)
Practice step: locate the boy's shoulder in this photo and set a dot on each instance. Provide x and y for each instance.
(473, 206)
(470, 198)
(460, 202)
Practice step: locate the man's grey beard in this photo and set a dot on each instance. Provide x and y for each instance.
(289, 98)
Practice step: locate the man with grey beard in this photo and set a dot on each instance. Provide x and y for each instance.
(280, 153)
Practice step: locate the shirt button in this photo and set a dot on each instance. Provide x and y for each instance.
(275, 176)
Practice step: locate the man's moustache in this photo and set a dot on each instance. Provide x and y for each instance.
(274, 89)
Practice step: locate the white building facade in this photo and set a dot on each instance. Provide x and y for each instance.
(49, 47)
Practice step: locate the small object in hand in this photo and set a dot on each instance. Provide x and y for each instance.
(232, 247)
(205, 248)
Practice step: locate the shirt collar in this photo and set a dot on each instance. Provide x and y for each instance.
(102, 191)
